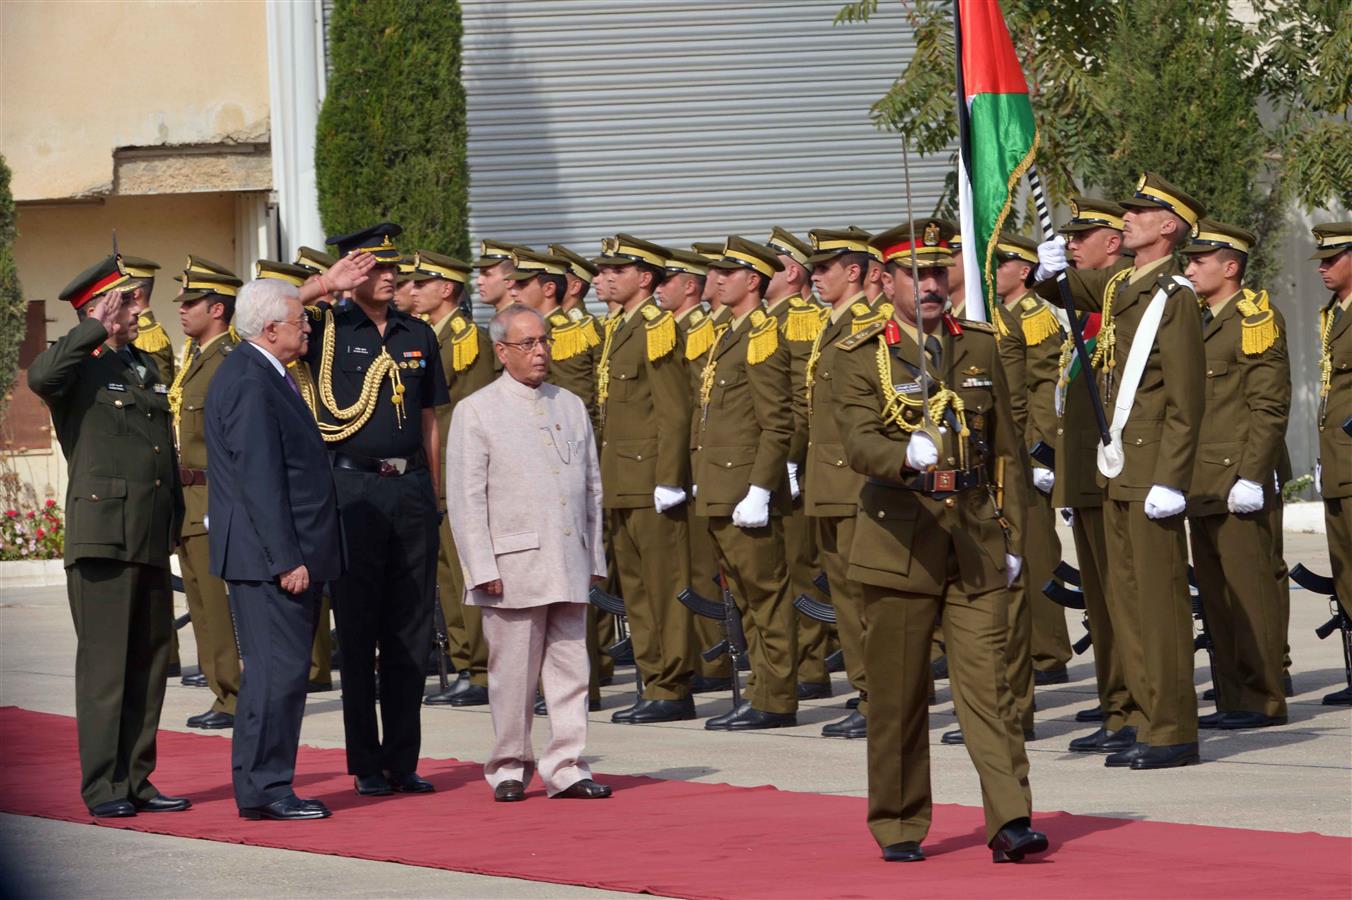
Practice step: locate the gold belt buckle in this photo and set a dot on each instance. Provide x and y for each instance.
(945, 481)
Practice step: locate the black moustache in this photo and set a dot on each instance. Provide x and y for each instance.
(931, 297)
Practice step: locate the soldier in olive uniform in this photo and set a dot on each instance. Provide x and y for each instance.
(439, 286)
(123, 508)
(941, 459)
(831, 488)
(644, 405)
(745, 425)
(205, 306)
(151, 338)
(1248, 401)
(493, 266)
(1155, 421)
(1334, 252)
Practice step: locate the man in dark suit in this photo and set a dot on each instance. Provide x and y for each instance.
(273, 528)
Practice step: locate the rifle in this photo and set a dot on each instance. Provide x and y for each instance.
(1063, 596)
(441, 640)
(1202, 640)
(608, 602)
(1341, 621)
(734, 637)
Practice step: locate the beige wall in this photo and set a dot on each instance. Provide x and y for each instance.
(80, 79)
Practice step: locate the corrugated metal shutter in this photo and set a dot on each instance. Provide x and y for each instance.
(681, 121)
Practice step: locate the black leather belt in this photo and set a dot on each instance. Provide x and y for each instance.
(941, 481)
(390, 467)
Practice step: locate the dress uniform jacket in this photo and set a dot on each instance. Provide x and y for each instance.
(1335, 445)
(573, 358)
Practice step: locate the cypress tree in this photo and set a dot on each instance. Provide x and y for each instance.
(13, 308)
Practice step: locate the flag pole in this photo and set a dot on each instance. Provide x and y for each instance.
(971, 264)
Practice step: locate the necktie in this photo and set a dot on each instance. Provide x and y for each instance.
(291, 382)
(196, 351)
(936, 352)
(1207, 316)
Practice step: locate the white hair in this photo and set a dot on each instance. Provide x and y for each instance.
(497, 327)
(262, 301)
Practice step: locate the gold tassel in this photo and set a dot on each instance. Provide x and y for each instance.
(661, 336)
(699, 339)
(569, 341)
(762, 343)
(153, 338)
(464, 349)
(803, 324)
(1039, 325)
(1260, 333)
(998, 320)
(234, 335)
(589, 332)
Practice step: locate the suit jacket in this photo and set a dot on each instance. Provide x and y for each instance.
(524, 495)
(1335, 446)
(123, 501)
(271, 496)
(192, 431)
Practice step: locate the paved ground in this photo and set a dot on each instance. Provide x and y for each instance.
(1294, 778)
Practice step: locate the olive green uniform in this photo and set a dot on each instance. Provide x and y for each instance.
(212, 624)
(924, 546)
(1248, 401)
(644, 402)
(321, 649)
(1335, 445)
(123, 509)
(744, 427)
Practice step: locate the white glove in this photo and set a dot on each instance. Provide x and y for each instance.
(694, 490)
(921, 452)
(1013, 566)
(1163, 502)
(1245, 497)
(1051, 257)
(794, 489)
(754, 510)
(665, 497)
(1043, 479)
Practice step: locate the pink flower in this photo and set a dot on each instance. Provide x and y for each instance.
(50, 503)
(12, 513)
(41, 534)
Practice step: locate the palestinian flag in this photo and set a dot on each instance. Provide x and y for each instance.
(997, 135)
(1092, 323)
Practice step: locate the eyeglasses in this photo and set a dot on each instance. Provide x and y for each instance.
(529, 344)
(295, 323)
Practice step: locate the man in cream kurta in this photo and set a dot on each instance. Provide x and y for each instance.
(524, 500)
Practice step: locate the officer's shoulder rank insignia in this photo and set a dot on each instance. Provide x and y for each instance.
(1260, 329)
(803, 322)
(763, 339)
(863, 336)
(569, 338)
(464, 343)
(660, 326)
(699, 338)
(973, 325)
(559, 320)
(1037, 320)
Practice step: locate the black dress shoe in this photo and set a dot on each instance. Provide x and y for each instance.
(624, 715)
(906, 851)
(1288, 688)
(1051, 676)
(814, 691)
(939, 668)
(852, 703)
(719, 723)
(410, 783)
(852, 726)
(663, 711)
(212, 720)
(1233, 721)
(586, 789)
(1092, 714)
(1210, 720)
(753, 719)
(509, 791)
(318, 687)
(1015, 841)
(701, 685)
(113, 809)
(952, 737)
(1105, 741)
(197, 679)
(474, 695)
(1338, 698)
(440, 698)
(1122, 759)
(1169, 757)
(1209, 694)
(161, 803)
(287, 809)
(373, 785)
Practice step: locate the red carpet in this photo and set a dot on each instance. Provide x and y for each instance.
(677, 838)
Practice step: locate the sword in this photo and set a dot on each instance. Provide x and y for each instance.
(919, 309)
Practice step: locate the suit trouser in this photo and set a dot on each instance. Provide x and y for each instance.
(652, 554)
(1091, 549)
(803, 564)
(1050, 638)
(1152, 619)
(835, 534)
(276, 631)
(900, 628)
(545, 647)
(212, 625)
(1232, 558)
(1338, 527)
(705, 633)
(753, 560)
(464, 626)
(123, 614)
(385, 601)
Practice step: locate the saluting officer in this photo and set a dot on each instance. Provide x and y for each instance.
(1248, 401)
(942, 461)
(745, 424)
(438, 285)
(123, 508)
(378, 381)
(206, 305)
(1155, 404)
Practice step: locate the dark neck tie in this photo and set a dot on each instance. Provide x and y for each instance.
(936, 352)
(291, 381)
(1207, 316)
(196, 351)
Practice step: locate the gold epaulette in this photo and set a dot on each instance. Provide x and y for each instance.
(153, 338)
(570, 338)
(660, 326)
(974, 325)
(316, 312)
(863, 336)
(1260, 330)
(699, 339)
(763, 340)
(803, 322)
(588, 325)
(864, 317)
(464, 343)
(1038, 321)
(887, 309)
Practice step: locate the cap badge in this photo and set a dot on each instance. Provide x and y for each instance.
(932, 235)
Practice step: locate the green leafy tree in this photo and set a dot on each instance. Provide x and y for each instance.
(391, 134)
(13, 308)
